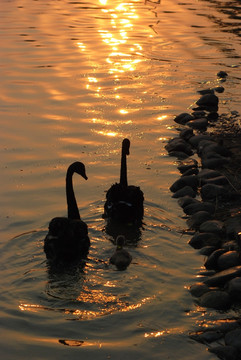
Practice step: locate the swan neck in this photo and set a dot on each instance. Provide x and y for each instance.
(73, 211)
(123, 170)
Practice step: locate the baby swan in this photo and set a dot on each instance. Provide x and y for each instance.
(121, 258)
(67, 239)
(124, 203)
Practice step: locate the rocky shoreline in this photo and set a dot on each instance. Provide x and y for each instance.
(208, 150)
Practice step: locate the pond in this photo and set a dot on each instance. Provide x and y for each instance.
(76, 78)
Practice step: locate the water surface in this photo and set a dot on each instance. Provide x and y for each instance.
(76, 78)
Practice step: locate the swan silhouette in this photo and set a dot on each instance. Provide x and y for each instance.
(67, 238)
(121, 258)
(124, 203)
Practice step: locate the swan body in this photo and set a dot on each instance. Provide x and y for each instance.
(124, 203)
(121, 258)
(67, 238)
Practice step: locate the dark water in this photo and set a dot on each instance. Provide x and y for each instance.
(77, 77)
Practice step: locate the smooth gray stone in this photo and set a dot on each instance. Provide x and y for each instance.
(223, 276)
(212, 226)
(222, 74)
(185, 134)
(199, 240)
(183, 118)
(216, 148)
(233, 338)
(208, 174)
(198, 124)
(195, 221)
(229, 259)
(187, 164)
(199, 114)
(218, 180)
(187, 190)
(219, 89)
(214, 162)
(202, 206)
(179, 145)
(198, 289)
(209, 100)
(195, 140)
(207, 250)
(225, 352)
(190, 180)
(206, 91)
(178, 154)
(212, 260)
(186, 200)
(212, 191)
(216, 299)
(191, 171)
(234, 288)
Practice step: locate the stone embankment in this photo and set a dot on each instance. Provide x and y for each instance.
(208, 149)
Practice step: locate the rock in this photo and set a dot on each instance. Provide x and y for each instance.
(197, 219)
(190, 180)
(195, 140)
(206, 91)
(212, 191)
(199, 114)
(191, 171)
(230, 245)
(198, 289)
(223, 276)
(214, 147)
(216, 299)
(212, 116)
(233, 225)
(187, 164)
(200, 240)
(225, 352)
(178, 145)
(207, 273)
(212, 260)
(208, 174)
(187, 190)
(234, 288)
(207, 250)
(186, 200)
(185, 134)
(218, 180)
(183, 118)
(198, 124)
(212, 226)
(202, 206)
(180, 155)
(222, 74)
(223, 325)
(208, 101)
(214, 161)
(206, 336)
(228, 259)
(233, 338)
(219, 89)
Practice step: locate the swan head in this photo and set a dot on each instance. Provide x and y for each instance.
(79, 168)
(126, 146)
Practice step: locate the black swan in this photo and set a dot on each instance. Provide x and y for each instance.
(121, 258)
(67, 239)
(124, 203)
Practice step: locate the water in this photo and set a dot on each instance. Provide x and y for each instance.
(77, 77)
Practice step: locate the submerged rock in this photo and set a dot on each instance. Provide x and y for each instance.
(206, 336)
(187, 164)
(197, 219)
(198, 289)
